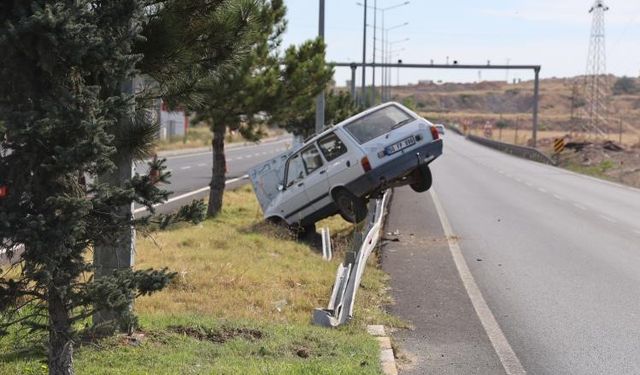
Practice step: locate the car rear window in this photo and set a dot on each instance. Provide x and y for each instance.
(378, 123)
(331, 146)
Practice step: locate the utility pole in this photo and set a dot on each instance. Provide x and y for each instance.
(364, 57)
(320, 98)
(119, 253)
(596, 82)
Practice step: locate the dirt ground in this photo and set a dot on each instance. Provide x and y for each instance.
(605, 159)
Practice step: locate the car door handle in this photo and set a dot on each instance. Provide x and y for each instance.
(323, 172)
(300, 184)
(348, 163)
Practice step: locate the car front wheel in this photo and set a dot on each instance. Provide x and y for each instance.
(351, 208)
(423, 179)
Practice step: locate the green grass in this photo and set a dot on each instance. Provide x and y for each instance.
(236, 275)
(600, 170)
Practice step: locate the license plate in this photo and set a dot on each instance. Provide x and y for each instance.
(392, 149)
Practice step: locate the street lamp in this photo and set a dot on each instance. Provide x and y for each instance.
(375, 29)
(387, 45)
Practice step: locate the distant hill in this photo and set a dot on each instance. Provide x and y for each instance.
(491, 101)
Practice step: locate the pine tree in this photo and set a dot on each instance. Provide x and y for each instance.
(262, 82)
(64, 117)
(339, 106)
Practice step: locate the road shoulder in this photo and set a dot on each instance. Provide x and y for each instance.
(447, 336)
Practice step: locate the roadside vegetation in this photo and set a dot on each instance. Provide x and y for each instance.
(200, 136)
(240, 304)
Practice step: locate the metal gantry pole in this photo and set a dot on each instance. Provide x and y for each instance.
(536, 97)
(320, 98)
(353, 81)
(364, 57)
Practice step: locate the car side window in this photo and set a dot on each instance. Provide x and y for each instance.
(312, 159)
(295, 170)
(331, 146)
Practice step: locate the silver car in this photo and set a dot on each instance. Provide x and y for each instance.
(338, 170)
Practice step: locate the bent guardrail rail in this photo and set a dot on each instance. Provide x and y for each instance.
(520, 151)
(349, 274)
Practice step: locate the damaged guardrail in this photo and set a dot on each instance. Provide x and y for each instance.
(520, 151)
(349, 274)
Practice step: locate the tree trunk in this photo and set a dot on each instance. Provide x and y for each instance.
(60, 342)
(218, 171)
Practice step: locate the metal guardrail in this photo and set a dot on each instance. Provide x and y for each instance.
(327, 253)
(520, 151)
(349, 274)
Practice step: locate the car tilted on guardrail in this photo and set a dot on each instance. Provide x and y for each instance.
(338, 170)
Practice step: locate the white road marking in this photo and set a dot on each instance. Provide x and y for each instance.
(528, 183)
(556, 196)
(607, 218)
(202, 165)
(578, 205)
(519, 180)
(186, 167)
(637, 231)
(186, 195)
(542, 190)
(505, 353)
(240, 157)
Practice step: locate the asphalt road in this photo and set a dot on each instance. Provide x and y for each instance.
(556, 256)
(191, 172)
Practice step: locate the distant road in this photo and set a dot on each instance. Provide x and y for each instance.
(556, 256)
(191, 172)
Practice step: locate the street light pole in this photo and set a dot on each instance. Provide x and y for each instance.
(384, 73)
(320, 98)
(387, 59)
(364, 57)
(375, 46)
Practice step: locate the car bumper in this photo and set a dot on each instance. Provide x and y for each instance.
(395, 169)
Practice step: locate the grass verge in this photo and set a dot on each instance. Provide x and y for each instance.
(241, 304)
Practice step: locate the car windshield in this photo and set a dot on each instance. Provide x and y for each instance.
(378, 123)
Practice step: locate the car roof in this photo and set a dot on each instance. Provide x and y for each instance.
(348, 121)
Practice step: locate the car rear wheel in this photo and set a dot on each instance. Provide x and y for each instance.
(351, 208)
(423, 179)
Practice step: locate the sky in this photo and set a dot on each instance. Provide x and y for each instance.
(551, 33)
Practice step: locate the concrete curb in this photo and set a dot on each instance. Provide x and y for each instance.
(387, 358)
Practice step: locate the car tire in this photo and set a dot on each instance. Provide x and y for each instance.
(353, 209)
(423, 179)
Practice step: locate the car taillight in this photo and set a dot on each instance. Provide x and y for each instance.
(365, 164)
(4, 191)
(434, 133)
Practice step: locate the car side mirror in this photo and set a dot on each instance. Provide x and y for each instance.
(280, 187)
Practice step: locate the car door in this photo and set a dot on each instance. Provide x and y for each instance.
(343, 162)
(294, 197)
(316, 184)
